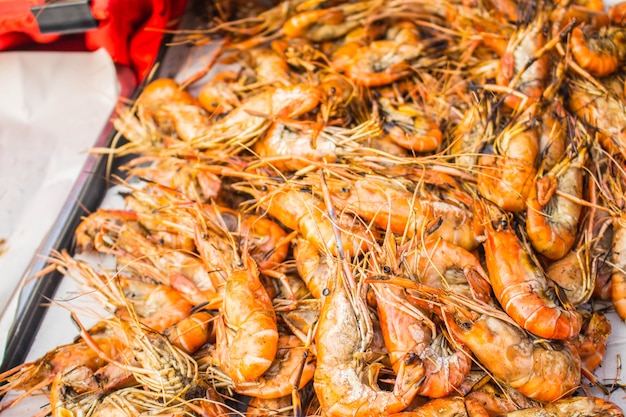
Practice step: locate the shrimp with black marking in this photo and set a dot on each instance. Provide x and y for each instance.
(553, 210)
(411, 336)
(505, 177)
(600, 108)
(600, 52)
(39, 374)
(521, 287)
(523, 66)
(574, 406)
(540, 370)
(409, 126)
(339, 379)
(390, 205)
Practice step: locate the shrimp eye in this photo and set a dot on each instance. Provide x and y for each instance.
(239, 264)
(411, 358)
(465, 325)
(264, 188)
(345, 189)
(325, 292)
(101, 378)
(386, 269)
(204, 236)
(332, 90)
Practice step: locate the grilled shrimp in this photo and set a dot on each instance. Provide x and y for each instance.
(410, 127)
(243, 125)
(554, 132)
(291, 147)
(192, 332)
(381, 62)
(506, 178)
(388, 204)
(601, 109)
(155, 305)
(327, 24)
(574, 406)
(188, 335)
(592, 340)
(521, 287)
(598, 51)
(617, 13)
(414, 346)
(471, 134)
(409, 334)
(498, 398)
(32, 376)
(268, 242)
(406, 335)
(572, 274)
(194, 179)
(183, 271)
(338, 380)
(247, 334)
(521, 67)
(161, 92)
(566, 11)
(286, 102)
(91, 231)
(542, 372)
(217, 96)
(158, 306)
(163, 372)
(269, 67)
(552, 219)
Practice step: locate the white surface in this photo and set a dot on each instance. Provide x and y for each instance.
(53, 107)
(612, 370)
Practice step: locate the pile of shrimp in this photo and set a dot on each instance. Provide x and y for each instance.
(392, 208)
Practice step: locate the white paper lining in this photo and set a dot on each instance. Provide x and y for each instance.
(53, 107)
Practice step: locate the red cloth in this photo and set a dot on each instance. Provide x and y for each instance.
(131, 31)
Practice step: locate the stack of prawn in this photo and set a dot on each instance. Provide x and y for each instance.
(395, 207)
